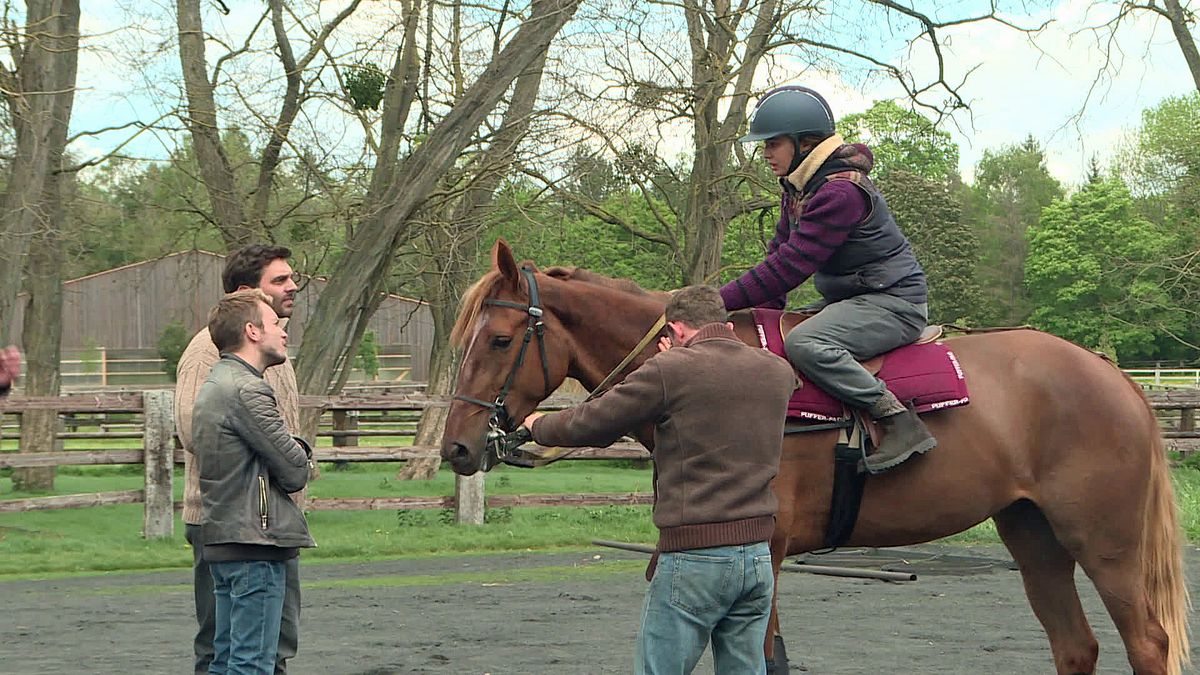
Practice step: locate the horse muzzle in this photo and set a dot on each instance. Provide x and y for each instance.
(462, 460)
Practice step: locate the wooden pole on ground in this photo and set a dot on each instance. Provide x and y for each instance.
(159, 515)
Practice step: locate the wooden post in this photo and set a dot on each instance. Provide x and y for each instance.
(159, 515)
(343, 420)
(1187, 419)
(469, 500)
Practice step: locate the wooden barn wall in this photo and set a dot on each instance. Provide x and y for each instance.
(128, 308)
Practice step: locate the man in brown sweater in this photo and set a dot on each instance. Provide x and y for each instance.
(718, 407)
(265, 268)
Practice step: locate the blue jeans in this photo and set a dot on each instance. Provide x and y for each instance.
(723, 593)
(249, 609)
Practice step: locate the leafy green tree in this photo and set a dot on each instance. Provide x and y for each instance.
(1011, 188)
(1164, 158)
(1087, 275)
(171, 344)
(902, 140)
(368, 355)
(132, 211)
(550, 234)
(930, 214)
(1162, 167)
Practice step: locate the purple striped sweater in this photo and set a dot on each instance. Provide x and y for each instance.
(796, 253)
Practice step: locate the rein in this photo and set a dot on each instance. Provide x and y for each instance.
(642, 344)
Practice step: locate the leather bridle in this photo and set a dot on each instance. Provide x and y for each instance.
(501, 421)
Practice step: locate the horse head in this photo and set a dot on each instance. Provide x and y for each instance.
(515, 354)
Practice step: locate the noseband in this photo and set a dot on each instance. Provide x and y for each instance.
(501, 421)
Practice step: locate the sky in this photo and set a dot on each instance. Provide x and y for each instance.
(1020, 86)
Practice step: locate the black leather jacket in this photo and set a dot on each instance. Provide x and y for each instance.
(248, 461)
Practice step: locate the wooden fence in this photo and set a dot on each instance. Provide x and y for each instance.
(84, 369)
(159, 453)
(1166, 378)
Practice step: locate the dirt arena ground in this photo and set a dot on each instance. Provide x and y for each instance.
(539, 613)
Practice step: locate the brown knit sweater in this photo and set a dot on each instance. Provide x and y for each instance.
(194, 366)
(718, 408)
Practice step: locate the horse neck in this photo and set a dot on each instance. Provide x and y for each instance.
(606, 325)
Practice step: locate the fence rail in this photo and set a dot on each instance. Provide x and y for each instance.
(1170, 378)
(102, 367)
(1174, 407)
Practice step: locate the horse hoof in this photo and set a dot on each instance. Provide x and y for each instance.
(778, 665)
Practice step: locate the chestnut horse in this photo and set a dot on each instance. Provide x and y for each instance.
(1058, 447)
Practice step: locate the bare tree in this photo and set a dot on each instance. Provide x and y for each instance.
(242, 218)
(356, 284)
(452, 243)
(42, 330)
(1177, 16)
(38, 89)
(709, 86)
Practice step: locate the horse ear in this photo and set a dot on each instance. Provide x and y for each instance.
(504, 262)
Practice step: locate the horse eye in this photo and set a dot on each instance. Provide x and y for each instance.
(501, 341)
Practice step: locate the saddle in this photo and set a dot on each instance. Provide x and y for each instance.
(924, 374)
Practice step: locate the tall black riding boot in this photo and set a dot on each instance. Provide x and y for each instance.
(904, 434)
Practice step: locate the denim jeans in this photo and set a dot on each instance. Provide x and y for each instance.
(827, 347)
(249, 608)
(722, 593)
(202, 589)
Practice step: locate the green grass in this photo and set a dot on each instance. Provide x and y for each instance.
(109, 538)
(47, 543)
(378, 480)
(373, 480)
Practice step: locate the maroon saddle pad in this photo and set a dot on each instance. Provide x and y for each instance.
(925, 376)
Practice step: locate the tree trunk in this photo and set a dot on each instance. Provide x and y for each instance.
(356, 283)
(228, 211)
(1183, 36)
(398, 97)
(452, 267)
(443, 366)
(42, 337)
(710, 198)
(40, 93)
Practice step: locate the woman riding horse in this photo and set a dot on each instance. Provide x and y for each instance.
(835, 227)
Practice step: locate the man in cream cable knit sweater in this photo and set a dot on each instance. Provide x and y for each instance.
(266, 268)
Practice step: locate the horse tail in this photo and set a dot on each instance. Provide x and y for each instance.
(1162, 562)
(1162, 553)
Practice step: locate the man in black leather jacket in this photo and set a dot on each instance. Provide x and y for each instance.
(248, 462)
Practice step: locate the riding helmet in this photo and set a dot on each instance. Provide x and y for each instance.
(791, 111)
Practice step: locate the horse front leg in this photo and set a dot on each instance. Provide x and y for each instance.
(777, 662)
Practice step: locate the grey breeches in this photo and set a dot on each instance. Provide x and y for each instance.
(827, 347)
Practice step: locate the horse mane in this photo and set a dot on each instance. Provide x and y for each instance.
(472, 305)
(597, 279)
(473, 298)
